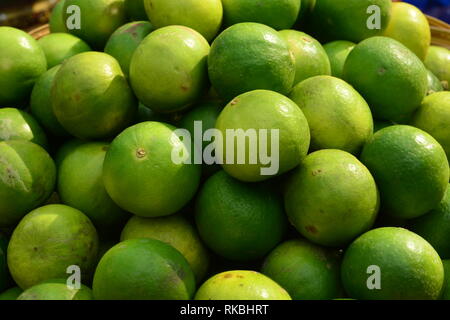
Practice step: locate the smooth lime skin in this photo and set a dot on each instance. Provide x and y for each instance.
(410, 168)
(27, 179)
(123, 42)
(331, 198)
(98, 19)
(435, 226)
(176, 231)
(16, 124)
(434, 84)
(22, 61)
(239, 221)
(347, 20)
(135, 10)
(446, 288)
(80, 185)
(438, 62)
(241, 285)
(383, 65)
(305, 270)
(250, 56)
(337, 115)
(409, 267)
(41, 103)
(140, 159)
(338, 52)
(11, 294)
(47, 241)
(168, 71)
(55, 291)
(409, 26)
(310, 57)
(204, 16)
(60, 46)
(57, 22)
(278, 14)
(433, 117)
(91, 97)
(143, 269)
(274, 112)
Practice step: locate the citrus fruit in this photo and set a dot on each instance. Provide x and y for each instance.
(434, 84)
(16, 124)
(278, 14)
(57, 22)
(91, 97)
(434, 226)
(176, 231)
(310, 57)
(97, 19)
(141, 175)
(65, 149)
(143, 269)
(278, 129)
(446, 288)
(22, 61)
(47, 241)
(124, 41)
(27, 179)
(410, 168)
(241, 285)
(80, 185)
(60, 46)
(331, 198)
(350, 19)
(135, 10)
(305, 270)
(409, 26)
(11, 294)
(55, 291)
(168, 70)
(434, 117)
(438, 62)
(239, 221)
(146, 114)
(338, 52)
(249, 56)
(338, 117)
(204, 16)
(382, 64)
(408, 266)
(41, 103)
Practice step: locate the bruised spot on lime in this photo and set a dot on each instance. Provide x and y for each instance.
(141, 153)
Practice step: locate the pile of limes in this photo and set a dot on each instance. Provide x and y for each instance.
(225, 149)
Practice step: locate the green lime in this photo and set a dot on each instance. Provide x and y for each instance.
(434, 84)
(446, 288)
(438, 62)
(55, 291)
(11, 294)
(135, 10)
(338, 52)
(57, 18)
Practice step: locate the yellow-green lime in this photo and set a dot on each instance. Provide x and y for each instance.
(56, 291)
(438, 62)
(338, 52)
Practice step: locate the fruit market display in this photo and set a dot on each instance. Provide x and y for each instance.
(225, 150)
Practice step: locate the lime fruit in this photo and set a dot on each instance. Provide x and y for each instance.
(409, 26)
(250, 56)
(310, 57)
(241, 285)
(278, 129)
(135, 10)
(142, 175)
(47, 241)
(11, 294)
(143, 269)
(434, 84)
(338, 117)
(438, 62)
(204, 16)
(382, 64)
(60, 46)
(91, 97)
(176, 231)
(331, 198)
(305, 270)
(410, 168)
(57, 21)
(124, 41)
(406, 265)
(338, 52)
(239, 221)
(446, 288)
(168, 70)
(27, 179)
(56, 291)
(22, 61)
